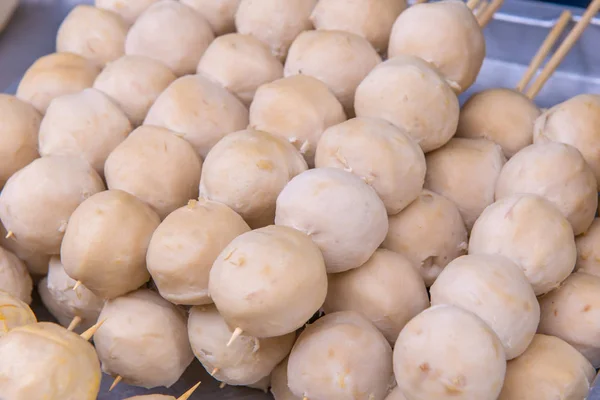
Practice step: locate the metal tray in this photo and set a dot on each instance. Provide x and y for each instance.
(32, 31)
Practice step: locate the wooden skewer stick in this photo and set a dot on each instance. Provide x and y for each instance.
(189, 393)
(480, 8)
(74, 323)
(421, 1)
(87, 335)
(472, 4)
(77, 284)
(215, 371)
(9, 235)
(236, 334)
(544, 49)
(487, 14)
(563, 49)
(118, 379)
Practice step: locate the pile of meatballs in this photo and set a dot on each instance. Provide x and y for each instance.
(289, 191)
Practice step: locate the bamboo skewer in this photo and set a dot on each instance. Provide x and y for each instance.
(486, 15)
(117, 380)
(472, 4)
(77, 284)
(421, 1)
(189, 393)
(9, 235)
(480, 8)
(236, 334)
(74, 323)
(563, 49)
(544, 49)
(87, 335)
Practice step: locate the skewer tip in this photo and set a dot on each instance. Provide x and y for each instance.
(236, 334)
(214, 371)
(188, 394)
(9, 235)
(77, 284)
(222, 385)
(118, 379)
(74, 323)
(87, 335)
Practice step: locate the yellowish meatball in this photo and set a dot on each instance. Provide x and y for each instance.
(172, 33)
(18, 135)
(85, 124)
(134, 83)
(93, 33)
(54, 75)
(504, 116)
(199, 109)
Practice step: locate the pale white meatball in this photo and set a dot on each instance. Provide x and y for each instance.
(548, 369)
(247, 170)
(504, 116)
(54, 75)
(14, 277)
(94, 33)
(354, 360)
(85, 124)
(387, 290)
(134, 83)
(497, 291)
(106, 242)
(45, 361)
(588, 250)
(200, 110)
(465, 171)
(445, 34)
(449, 353)
(532, 233)
(573, 122)
(18, 135)
(240, 63)
(410, 94)
(279, 383)
(143, 339)
(37, 201)
(129, 10)
(268, 282)
(572, 313)
(51, 305)
(245, 361)
(381, 154)
(339, 59)
(220, 14)
(72, 302)
(13, 313)
(342, 215)
(157, 167)
(430, 232)
(199, 231)
(557, 172)
(372, 20)
(274, 22)
(299, 108)
(172, 33)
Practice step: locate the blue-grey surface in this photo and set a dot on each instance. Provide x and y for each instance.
(512, 39)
